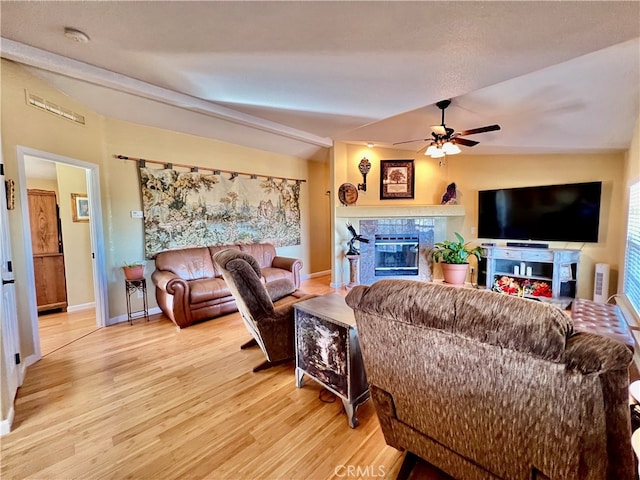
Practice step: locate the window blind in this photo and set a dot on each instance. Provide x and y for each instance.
(631, 286)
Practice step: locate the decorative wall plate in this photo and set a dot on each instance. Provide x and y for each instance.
(348, 194)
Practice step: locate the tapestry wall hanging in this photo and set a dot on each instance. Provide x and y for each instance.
(194, 209)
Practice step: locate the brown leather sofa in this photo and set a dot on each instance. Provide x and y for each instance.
(490, 386)
(190, 288)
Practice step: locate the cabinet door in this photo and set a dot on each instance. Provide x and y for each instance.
(43, 219)
(322, 351)
(51, 291)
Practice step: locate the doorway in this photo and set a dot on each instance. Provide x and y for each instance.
(81, 241)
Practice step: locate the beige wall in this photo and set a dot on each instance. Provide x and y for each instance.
(473, 173)
(28, 126)
(478, 172)
(318, 226)
(24, 125)
(131, 140)
(430, 180)
(76, 238)
(75, 235)
(43, 184)
(97, 142)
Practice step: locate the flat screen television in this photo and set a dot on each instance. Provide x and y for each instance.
(569, 213)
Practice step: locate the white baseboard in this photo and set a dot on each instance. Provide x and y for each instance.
(125, 318)
(307, 276)
(27, 362)
(5, 424)
(82, 306)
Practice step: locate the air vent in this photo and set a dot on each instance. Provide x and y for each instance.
(601, 283)
(51, 107)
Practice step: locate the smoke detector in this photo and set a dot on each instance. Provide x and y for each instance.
(76, 35)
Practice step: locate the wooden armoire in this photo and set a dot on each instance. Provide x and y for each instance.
(48, 256)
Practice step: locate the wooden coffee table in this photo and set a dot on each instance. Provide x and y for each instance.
(328, 351)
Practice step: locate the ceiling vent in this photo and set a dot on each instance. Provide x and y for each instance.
(47, 106)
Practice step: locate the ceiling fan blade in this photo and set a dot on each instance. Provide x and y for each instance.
(464, 141)
(410, 141)
(439, 129)
(473, 131)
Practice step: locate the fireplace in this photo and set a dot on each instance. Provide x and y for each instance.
(396, 255)
(430, 223)
(397, 248)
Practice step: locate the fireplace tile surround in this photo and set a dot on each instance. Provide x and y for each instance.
(423, 228)
(430, 223)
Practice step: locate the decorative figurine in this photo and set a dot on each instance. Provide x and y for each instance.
(449, 197)
(364, 167)
(355, 238)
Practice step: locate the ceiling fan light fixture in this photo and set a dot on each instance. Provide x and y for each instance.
(431, 150)
(438, 153)
(450, 148)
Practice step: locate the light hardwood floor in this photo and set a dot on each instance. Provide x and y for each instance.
(150, 401)
(61, 328)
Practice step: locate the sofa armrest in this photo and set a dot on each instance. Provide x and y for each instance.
(161, 279)
(590, 353)
(178, 289)
(293, 265)
(286, 263)
(280, 288)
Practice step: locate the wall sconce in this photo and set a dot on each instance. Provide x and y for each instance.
(364, 168)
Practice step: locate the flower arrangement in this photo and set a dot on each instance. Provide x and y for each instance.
(525, 287)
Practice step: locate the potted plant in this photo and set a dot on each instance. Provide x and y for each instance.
(133, 270)
(454, 258)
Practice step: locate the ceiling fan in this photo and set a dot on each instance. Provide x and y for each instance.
(445, 140)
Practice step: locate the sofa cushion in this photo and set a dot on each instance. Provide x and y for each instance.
(528, 326)
(280, 288)
(206, 289)
(273, 274)
(264, 253)
(187, 263)
(502, 320)
(413, 302)
(213, 249)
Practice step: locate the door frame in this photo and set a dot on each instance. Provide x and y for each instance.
(96, 233)
(12, 375)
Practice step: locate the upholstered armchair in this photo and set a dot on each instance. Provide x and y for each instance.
(266, 307)
(484, 385)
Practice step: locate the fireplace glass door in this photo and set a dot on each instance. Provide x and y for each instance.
(396, 254)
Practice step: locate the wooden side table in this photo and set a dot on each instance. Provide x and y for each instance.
(131, 287)
(328, 351)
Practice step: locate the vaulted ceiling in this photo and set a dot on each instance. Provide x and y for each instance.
(292, 77)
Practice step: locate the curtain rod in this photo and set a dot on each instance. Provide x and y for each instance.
(195, 168)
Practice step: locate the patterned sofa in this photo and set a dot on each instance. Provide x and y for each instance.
(484, 385)
(190, 288)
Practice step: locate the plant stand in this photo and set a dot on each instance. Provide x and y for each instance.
(354, 271)
(133, 286)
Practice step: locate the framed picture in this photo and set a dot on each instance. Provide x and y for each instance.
(396, 179)
(10, 187)
(80, 207)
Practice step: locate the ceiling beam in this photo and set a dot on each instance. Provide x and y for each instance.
(35, 57)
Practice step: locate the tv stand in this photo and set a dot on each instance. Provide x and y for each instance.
(547, 273)
(527, 245)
